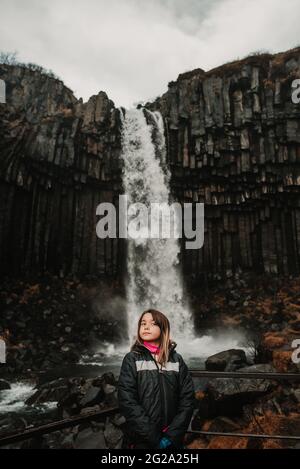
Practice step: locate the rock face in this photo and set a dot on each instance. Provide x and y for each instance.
(234, 144)
(233, 141)
(58, 161)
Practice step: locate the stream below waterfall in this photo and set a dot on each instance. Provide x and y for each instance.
(108, 359)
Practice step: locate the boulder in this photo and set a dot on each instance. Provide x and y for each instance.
(113, 435)
(74, 394)
(93, 396)
(89, 439)
(230, 394)
(229, 360)
(49, 392)
(4, 385)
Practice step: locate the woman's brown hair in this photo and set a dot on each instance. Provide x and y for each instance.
(163, 322)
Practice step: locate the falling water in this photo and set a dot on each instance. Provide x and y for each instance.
(154, 276)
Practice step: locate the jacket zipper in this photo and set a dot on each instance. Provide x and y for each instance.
(161, 386)
(164, 394)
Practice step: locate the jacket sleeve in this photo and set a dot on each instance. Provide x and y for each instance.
(130, 406)
(179, 425)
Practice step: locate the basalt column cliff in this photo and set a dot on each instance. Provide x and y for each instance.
(233, 138)
(58, 161)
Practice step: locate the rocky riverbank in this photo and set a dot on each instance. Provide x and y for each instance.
(237, 405)
(49, 321)
(245, 405)
(265, 306)
(73, 397)
(268, 307)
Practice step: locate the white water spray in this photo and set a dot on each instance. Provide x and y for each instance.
(153, 266)
(154, 272)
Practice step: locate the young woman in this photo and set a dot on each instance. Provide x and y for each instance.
(155, 389)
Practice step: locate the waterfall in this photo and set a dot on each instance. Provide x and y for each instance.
(154, 277)
(154, 274)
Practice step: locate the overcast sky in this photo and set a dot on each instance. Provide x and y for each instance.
(131, 49)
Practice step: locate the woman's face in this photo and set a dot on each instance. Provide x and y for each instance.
(149, 330)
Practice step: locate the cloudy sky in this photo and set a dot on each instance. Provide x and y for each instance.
(132, 48)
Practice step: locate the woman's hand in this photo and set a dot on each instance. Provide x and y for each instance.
(164, 442)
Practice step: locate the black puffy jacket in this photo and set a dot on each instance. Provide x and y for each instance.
(151, 398)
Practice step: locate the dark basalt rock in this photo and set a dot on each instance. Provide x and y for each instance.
(233, 143)
(229, 360)
(4, 385)
(229, 395)
(73, 395)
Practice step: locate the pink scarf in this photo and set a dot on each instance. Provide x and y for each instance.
(152, 348)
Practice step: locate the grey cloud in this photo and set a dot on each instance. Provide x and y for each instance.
(132, 48)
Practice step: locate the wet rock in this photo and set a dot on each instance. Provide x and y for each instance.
(49, 392)
(229, 360)
(118, 420)
(89, 439)
(260, 368)
(4, 385)
(230, 394)
(88, 410)
(92, 396)
(74, 394)
(68, 442)
(113, 435)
